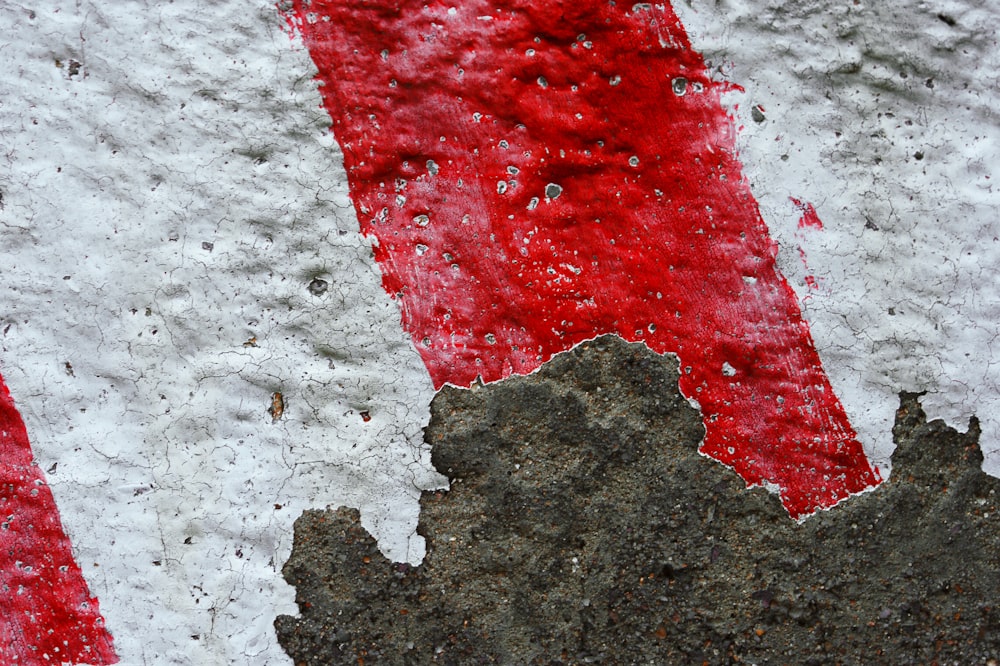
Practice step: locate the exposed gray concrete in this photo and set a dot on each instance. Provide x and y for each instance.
(582, 526)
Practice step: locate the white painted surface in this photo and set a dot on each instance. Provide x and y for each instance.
(117, 175)
(852, 91)
(192, 123)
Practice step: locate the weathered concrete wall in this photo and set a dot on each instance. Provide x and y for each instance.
(182, 253)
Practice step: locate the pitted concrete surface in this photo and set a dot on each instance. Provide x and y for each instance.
(582, 526)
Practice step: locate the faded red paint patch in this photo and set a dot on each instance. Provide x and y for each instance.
(809, 220)
(809, 217)
(48, 614)
(535, 174)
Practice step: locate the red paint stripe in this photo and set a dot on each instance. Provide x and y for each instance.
(535, 174)
(48, 614)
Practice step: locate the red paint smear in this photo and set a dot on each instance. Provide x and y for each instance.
(809, 220)
(809, 217)
(48, 614)
(456, 123)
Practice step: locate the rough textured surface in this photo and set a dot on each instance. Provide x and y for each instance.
(583, 527)
(886, 116)
(169, 206)
(578, 177)
(48, 610)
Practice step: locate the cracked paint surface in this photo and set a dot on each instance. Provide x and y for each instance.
(170, 191)
(169, 214)
(536, 175)
(886, 118)
(48, 612)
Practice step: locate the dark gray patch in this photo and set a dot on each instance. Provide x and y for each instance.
(582, 526)
(318, 286)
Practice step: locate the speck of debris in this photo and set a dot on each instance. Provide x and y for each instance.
(277, 408)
